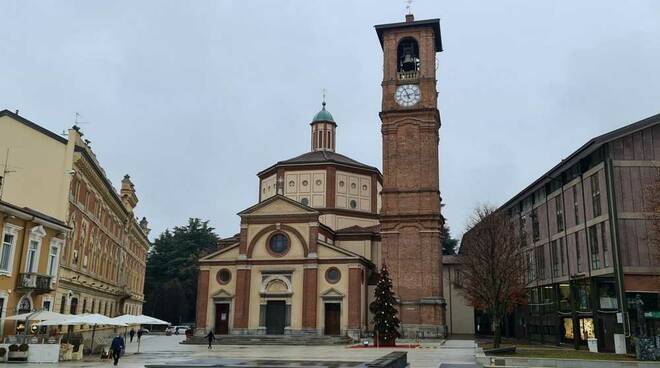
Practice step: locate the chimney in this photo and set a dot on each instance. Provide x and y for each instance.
(410, 18)
(127, 192)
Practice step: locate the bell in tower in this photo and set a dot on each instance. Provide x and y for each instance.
(408, 56)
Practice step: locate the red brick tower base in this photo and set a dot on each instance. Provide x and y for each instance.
(410, 216)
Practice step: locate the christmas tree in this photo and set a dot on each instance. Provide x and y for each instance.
(386, 323)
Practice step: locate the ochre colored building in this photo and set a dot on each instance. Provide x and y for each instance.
(307, 255)
(58, 208)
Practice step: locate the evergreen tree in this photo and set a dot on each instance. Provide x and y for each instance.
(448, 243)
(171, 276)
(386, 323)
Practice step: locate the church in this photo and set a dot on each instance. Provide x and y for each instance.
(307, 257)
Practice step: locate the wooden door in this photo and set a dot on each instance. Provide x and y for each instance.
(222, 319)
(332, 318)
(275, 317)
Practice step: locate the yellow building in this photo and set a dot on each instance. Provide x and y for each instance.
(101, 259)
(306, 254)
(30, 248)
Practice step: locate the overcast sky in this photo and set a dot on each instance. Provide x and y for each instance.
(193, 98)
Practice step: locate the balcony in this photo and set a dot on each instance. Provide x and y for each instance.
(34, 282)
(413, 74)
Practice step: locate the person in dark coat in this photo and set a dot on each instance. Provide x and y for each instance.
(210, 337)
(117, 347)
(131, 334)
(140, 332)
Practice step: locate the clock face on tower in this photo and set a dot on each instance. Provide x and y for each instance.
(407, 95)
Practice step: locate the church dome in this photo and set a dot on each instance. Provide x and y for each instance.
(323, 115)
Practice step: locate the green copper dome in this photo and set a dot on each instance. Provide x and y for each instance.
(323, 115)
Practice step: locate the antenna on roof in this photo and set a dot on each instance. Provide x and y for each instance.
(409, 6)
(78, 122)
(5, 171)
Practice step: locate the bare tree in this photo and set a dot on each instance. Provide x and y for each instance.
(494, 269)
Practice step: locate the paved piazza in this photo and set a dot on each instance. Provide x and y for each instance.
(166, 349)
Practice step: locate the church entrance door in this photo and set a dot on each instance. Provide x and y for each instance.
(275, 317)
(332, 316)
(222, 319)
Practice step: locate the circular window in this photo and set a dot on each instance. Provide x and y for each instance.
(364, 187)
(353, 203)
(292, 183)
(341, 184)
(318, 182)
(332, 275)
(304, 183)
(278, 244)
(305, 201)
(223, 276)
(353, 185)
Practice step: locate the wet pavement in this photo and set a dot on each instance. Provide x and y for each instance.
(161, 350)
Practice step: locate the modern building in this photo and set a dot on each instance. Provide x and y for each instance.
(585, 230)
(60, 206)
(308, 253)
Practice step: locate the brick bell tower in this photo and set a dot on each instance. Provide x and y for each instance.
(410, 215)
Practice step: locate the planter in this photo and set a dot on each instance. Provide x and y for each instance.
(17, 356)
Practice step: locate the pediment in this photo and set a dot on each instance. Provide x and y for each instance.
(332, 293)
(222, 294)
(278, 205)
(333, 251)
(230, 252)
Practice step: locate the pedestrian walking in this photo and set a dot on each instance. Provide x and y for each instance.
(140, 332)
(117, 348)
(210, 337)
(131, 334)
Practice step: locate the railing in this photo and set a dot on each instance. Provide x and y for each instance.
(413, 74)
(34, 281)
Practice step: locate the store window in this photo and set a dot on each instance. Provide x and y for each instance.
(582, 295)
(587, 328)
(565, 298)
(607, 296)
(548, 299)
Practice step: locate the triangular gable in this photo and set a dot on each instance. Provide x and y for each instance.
(219, 252)
(277, 205)
(332, 293)
(222, 294)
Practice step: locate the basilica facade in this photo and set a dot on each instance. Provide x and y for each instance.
(307, 256)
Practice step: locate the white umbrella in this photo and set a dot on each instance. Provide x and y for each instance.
(36, 316)
(130, 319)
(84, 319)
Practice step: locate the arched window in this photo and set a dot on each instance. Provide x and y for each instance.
(408, 58)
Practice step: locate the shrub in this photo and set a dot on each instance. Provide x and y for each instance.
(24, 347)
(3, 351)
(13, 347)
